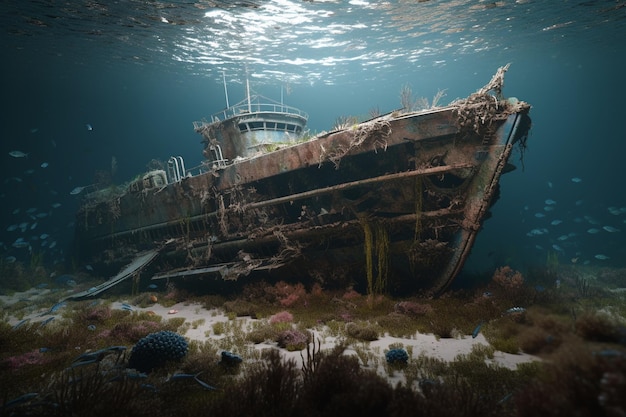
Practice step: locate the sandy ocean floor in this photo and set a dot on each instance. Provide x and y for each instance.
(199, 326)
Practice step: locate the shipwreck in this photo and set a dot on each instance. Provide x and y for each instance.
(391, 204)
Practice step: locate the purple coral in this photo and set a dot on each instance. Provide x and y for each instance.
(293, 340)
(34, 357)
(282, 317)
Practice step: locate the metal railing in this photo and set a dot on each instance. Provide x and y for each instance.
(249, 107)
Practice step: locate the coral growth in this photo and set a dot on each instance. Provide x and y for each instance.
(598, 327)
(281, 317)
(507, 278)
(156, 349)
(34, 357)
(293, 339)
(397, 356)
(412, 308)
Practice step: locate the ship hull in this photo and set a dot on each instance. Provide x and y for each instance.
(390, 205)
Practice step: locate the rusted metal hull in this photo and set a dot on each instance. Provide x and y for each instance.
(392, 204)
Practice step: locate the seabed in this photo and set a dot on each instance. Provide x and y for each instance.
(549, 342)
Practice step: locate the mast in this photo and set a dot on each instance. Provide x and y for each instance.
(225, 89)
(248, 95)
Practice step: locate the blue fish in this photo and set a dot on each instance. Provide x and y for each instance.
(54, 308)
(18, 154)
(477, 330)
(195, 378)
(19, 400)
(152, 287)
(21, 323)
(46, 321)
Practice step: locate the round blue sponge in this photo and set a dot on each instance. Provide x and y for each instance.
(156, 349)
(397, 356)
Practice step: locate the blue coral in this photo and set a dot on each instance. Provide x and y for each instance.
(397, 357)
(156, 349)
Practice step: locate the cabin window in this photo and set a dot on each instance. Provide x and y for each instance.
(256, 125)
(243, 127)
(280, 126)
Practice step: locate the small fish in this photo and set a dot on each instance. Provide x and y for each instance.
(10, 259)
(89, 127)
(21, 323)
(44, 165)
(12, 228)
(46, 321)
(539, 215)
(576, 180)
(77, 190)
(54, 308)
(195, 378)
(477, 330)
(557, 248)
(550, 202)
(549, 184)
(89, 267)
(20, 243)
(19, 400)
(18, 154)
(505, 398)
(601, 257)
(593, 230)
(556, 222)
(152, 287)
(56, 205)
(515, 310)
(548, 208)
(44, 236)
(562, 238)
(610, 229)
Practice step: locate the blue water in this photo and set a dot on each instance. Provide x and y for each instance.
(139, 73)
